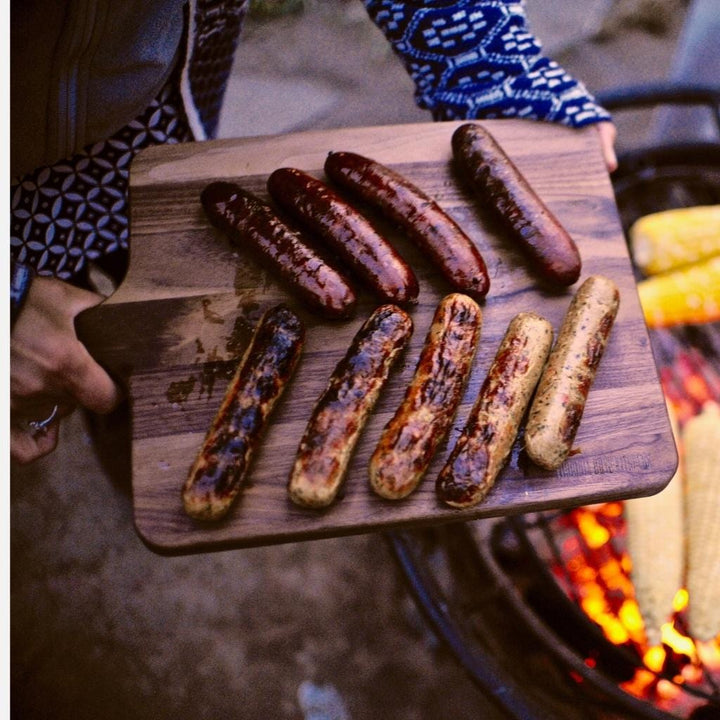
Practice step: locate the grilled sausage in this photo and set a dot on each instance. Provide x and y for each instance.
(341, 412)
(251, 223)
(410, 439)
(357, 243)
(421, 217)
(562, 392)
(224, 458)
(492, 426)
(499, 185)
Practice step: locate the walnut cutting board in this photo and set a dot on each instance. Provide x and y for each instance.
(176, 327)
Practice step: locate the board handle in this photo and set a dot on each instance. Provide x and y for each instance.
(110, 337)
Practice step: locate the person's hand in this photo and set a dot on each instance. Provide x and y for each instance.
(608, 135)
(51, 371)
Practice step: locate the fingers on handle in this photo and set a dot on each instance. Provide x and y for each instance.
(608, 135)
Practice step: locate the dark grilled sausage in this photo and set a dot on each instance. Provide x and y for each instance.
(410, 439)
(562, 392)
(421, 217)
(224, 458)
(250, 223)
(492, 426)
(499, 185)
(341, 412)
(348, 233)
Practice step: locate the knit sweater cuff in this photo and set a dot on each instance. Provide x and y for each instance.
(477, 59)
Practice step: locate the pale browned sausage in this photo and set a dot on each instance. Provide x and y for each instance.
(341, 412)
(411, 438)
(492, 426)
(559, 403)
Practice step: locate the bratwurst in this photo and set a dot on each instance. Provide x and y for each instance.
(410, 439)
(341, 412)
(492, 426)
(559, 402)
(436, 233)
(252, 224)
(317, 207)
(224, 459)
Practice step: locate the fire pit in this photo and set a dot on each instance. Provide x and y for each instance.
(541, 609)
(585, 553)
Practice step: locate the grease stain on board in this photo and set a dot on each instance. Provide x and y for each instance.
(179, 391)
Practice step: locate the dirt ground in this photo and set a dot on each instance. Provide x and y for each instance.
(104, 628)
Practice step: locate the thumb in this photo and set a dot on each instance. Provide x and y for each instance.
(91, 385)
(608, 135)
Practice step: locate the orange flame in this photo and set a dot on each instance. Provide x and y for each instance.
(688, 383)
(600, 575)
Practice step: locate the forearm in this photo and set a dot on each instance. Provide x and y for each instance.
(477, 59)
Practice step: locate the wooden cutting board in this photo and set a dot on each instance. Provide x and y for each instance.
(175, 328)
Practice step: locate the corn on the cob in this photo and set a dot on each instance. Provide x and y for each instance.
(655, 542)
(701, 446)
(669, 239)
(685, 296)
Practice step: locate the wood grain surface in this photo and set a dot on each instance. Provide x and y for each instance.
(175, 328)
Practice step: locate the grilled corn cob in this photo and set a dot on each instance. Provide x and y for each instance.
(669, 239)
(701, 445)
(685, 296)
(654, 528)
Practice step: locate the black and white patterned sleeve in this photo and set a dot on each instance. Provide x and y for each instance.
(478, 59)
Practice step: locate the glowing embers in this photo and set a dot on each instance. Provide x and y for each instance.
(591, 564)
(688, 359)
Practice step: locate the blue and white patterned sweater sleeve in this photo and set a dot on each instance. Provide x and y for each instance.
(477, 59)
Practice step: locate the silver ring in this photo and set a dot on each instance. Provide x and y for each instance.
(41, 426)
